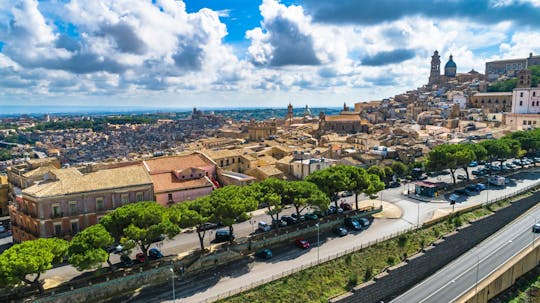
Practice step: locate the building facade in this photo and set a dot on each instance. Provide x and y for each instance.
(302, 168)
(261, 130)
(509, 67)
(181, 178)
(67, 201)
(497, 102)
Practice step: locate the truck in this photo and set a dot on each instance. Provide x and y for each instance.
(496, 180)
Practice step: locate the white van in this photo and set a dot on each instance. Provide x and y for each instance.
(263, 226)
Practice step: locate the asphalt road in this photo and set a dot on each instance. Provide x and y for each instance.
(462, 275)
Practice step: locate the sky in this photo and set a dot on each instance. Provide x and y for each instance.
(246, 53)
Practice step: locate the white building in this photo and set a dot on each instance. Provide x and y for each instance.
(303, 168)
(459, 98)
(526, 100)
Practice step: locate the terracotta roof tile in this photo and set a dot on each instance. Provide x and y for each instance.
(168, 182)
(167, 164)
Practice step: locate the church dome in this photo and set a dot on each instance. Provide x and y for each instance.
(450, 63)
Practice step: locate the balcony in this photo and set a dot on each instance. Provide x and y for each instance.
(57, 215)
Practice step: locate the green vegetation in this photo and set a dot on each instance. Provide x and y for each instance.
(319, 283)
(88, 249)
(5, 154)
(31, 258)
(510, 84)
(98, 123)
(527, 292)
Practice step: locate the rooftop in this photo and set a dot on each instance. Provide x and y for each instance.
(176, 163)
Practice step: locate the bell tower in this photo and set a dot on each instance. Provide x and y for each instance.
(435, 74)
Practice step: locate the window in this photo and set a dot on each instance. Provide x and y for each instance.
(140, 197)
(74, 227)
(56, 210)
(58, 230)
(520, 103)
(534, 94)
(73, 207)
(524, 122)
(99, 204)
(169, 196)
(125, 199)
(521, 94)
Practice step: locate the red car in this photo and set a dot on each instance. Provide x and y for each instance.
(302, 243)
(140, 257)
(345, 206)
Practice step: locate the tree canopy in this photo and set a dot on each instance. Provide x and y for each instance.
(88, 249)
(231, 204)
(31, 258)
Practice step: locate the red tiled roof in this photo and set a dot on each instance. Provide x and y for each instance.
(176, 163)
(167, 182)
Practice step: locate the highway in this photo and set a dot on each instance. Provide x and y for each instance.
(462, 275)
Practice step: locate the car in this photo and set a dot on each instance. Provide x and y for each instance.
(364, 222)
(517, 162)
(480, 186)
(2, 229)
(345, 206)
(279, 223)
(126, 261)
(298, 218)
(352, 224)
(472, 187)
(347, 193)
(341, 231)
(536, 159)
(536, 228)
(116, 248)
(394, 184)
(223, 235)
(462, 177)
(263, 226)
(496, 168)
(481, 162)
(302, 243)
(423, 177)
(158, 238)
(320, 214)
(154, 254)
(473, 164)
(335, 210)
(264, 254)
(139, 257)
(453, 197)
(476, 172)
(207, 226)
(290, 220)
(462, 192)
(311, 217)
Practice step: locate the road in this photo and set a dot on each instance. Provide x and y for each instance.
(413, 212)
(462, 275)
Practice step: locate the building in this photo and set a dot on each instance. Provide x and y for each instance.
(435, 73)
(302, 168)
(181, 178)
(67, 201)
(525, 104)
(26, 174)
(450, 68)
(509, 67)
(261, 130)
(4, 197)
(497, 102)
(347, 122)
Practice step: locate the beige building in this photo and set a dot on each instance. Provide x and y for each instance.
(25, 174)
(509, 67)
(261, 130)
(492, 102)
(4, 198)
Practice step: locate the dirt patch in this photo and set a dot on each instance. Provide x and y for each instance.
(390, 211)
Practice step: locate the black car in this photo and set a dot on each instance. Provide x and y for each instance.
(125, 261)
(352, 224)
(311, 217)
(207, 226)
(394, 184)
(298, 218)
(364, 222)
(341, 231)
(264, 254)
(279, 223)
(223, 235)
(290, 220)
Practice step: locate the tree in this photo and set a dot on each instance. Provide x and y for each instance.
(388, 174)
(377, 170)
(270, 193)
(231, 204)
(331, 181)
(141, 222)
(31, 258)
(375, 185)
(304, 194)
(464, 155)
(496, 150)
(358, 181)
(400, 169)
(88, 249)
(193, 213)
(528, 140)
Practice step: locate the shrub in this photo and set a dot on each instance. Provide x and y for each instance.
(403, 240)
(352, 281)
(391, 260)
(368, 274)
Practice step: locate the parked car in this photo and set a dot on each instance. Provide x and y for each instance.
(473, 164)
(264, 254)
(154, 254)
(480, 186)
(302, 243)
(536, 228)
(290, 220)
(364, 222)
(394, 184)
(472, 187)
(352, 224)
(2, 229)
(158, 238)
(423, 177)
(334, 210)
(453, 197)
(300, 218)
(207, 226)
(263, 226)
(476, 172)
(345, 206)
(462, 192)
(341, 231)
(279, 223)
(462, 177)
(139, 257)
(311, 217)
(126, 261)
(347, 193)
(223, 235)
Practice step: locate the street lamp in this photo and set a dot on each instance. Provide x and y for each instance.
(172, 278)
(318, 243)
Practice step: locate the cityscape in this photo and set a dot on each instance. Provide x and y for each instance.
(269, 151)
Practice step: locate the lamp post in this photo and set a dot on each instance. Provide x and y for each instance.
(318, 243)
(172, 278)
